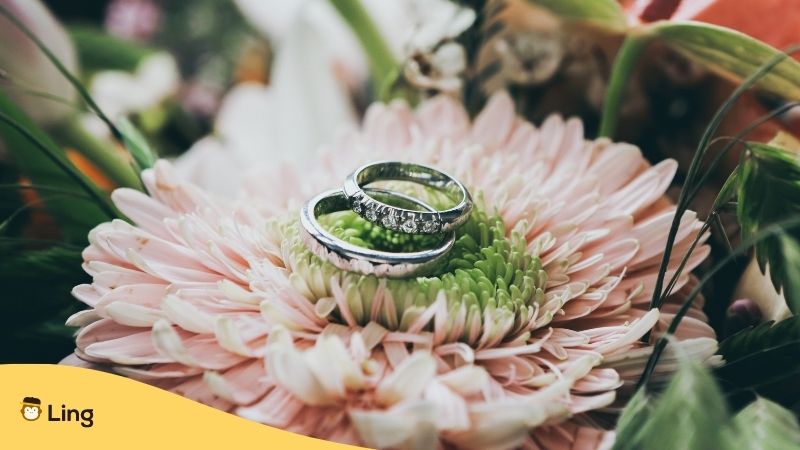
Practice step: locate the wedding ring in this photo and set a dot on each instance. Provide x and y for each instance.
(406, 220)
(347, 256)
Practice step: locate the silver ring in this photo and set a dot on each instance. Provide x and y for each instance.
(406, 220)
(353, 258)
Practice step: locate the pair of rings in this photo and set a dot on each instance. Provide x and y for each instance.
(387, 209)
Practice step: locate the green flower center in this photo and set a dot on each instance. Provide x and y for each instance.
(489, 278)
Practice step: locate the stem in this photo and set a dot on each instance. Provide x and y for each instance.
(105, 157)
(702, 147)
(379, 55)
(658, 348)
(621, 71)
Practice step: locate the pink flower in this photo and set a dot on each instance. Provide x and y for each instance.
(533, 328)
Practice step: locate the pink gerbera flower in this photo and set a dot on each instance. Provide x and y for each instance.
(531, 330)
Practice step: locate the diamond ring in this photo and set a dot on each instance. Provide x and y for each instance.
(406, 220)
(353, 258)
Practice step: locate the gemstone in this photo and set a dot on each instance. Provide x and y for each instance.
(431, 226)
(389, 222)
(371, 214)
(409, 226)
(357, 206)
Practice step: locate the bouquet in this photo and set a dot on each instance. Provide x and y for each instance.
(415, 224)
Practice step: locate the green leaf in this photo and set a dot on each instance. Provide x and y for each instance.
(787, 270)
(605, 14)
(765, 425)
(694, 408)
(137, 145)
(97, 50)
(769, 191)
(762, 359)
(636, 413)
(36, 301)
(47, 165)
(102, 153)
(28, 300)
(730, 54)
(690, 414)
(727, 192)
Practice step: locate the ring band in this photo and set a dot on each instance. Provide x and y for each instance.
(406, 220)
(347, 256)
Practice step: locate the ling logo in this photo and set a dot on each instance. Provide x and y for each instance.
(32, 410)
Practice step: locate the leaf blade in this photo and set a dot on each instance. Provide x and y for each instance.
(730, 54)
(76, 216)
(765, 425)
(605, 14)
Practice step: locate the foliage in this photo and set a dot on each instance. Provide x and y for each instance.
(691, 414)
(606, 14)
(769, 191)
(36, 299)
(693, 406)
(143, 156)
(767, 426)
(43, 162)
(762, 359)
(730, 54)
(98, 50)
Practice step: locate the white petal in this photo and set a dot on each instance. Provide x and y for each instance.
(408, 380)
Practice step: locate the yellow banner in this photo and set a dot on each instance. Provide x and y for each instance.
(55, 407)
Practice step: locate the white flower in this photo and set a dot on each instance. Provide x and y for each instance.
(119, 93)
(438, 20)
(278, 19)
(25, 71)
(440, 70)
(758, 287)
(318, 62)
(434, 60)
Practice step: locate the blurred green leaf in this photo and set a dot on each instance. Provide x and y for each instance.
(765, 425)
(26, 299)
(730, 54)
(762, 359)
(769, 191)
(36, 301)
(137, 145)
(97, 50)
(48, 165)
(46, 342)
(692, 414)
(636, 413)
(693, 407)
(101, 152)
(605, 14)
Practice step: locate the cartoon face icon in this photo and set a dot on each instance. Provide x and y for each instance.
(31, 408)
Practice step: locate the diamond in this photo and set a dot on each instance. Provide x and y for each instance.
(389, 222)
(371, 214)
(409, 226)
(430, 227)
(357, 207)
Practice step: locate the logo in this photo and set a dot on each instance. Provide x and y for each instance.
(32, 410)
